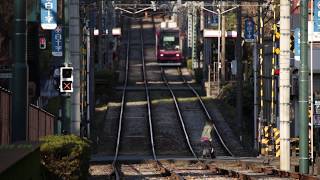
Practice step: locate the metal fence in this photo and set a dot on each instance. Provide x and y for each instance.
(40, 123)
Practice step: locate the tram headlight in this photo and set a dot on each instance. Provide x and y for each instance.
(161, 55)
(177, 55)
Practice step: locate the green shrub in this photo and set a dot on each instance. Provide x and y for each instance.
(65, 157)
(198, 75)
(229, 94)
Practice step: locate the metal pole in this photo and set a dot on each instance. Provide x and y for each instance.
(239, 71)
(273, 82)
(109, 26)
(74, 32)
(284, 85)
(255, 62)
(91, 74)
(100, 29)
(219, 48)
(20, 76)
(311, 87)
(194, 45)
(303, 90)
(261, 48)
(88, 81)
(223, 44)
(66, 102)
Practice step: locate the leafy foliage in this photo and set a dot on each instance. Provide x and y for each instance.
(6, 21)
(65, 157)
(229, 93)
(104, 83)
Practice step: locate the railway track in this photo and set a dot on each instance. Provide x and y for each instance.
(217, 135)
(122, 131)
(167, 169)
(196, 104)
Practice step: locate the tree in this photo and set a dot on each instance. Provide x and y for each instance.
(6, 27)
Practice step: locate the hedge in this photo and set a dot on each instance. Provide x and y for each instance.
(65, 157)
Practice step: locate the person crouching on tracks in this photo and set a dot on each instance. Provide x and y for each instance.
(206, 142)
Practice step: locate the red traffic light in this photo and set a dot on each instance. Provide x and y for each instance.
(42, 43)
(277, 72)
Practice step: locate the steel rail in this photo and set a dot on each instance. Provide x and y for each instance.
(116, 169)
(165, 171)
(123, 100)
(204, 108)
(178, 112)
(147, 93)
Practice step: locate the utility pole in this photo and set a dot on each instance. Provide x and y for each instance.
(261, 53)
(189, 29)
(91, 69)
(100, 29)
(109, 26)
(223, 44)
(66, 102)
(284, 85)
(74, 32)
(20, 103)
(194, 35)
(88, 118)
(303, 90)
(255, 101)
(239, 69)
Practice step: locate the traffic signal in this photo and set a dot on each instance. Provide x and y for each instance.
(292, 42)
(276, 31)
(42, 43)
(66, 79)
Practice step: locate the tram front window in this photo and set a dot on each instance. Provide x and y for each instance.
(170, 43)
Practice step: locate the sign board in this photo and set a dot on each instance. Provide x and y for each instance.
(116, 31)
(217, 33)
(57, 41)
(249, 30)
(316, 116)
(7, 75)
(314, 27)
(48, 14)
(96, 32)
(316, 120)
(213, 20)
(316, 17)
(312, 36)
(297, 44)
(317, 107)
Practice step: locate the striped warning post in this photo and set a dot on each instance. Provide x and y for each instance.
(265, 141)
(276, 136)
